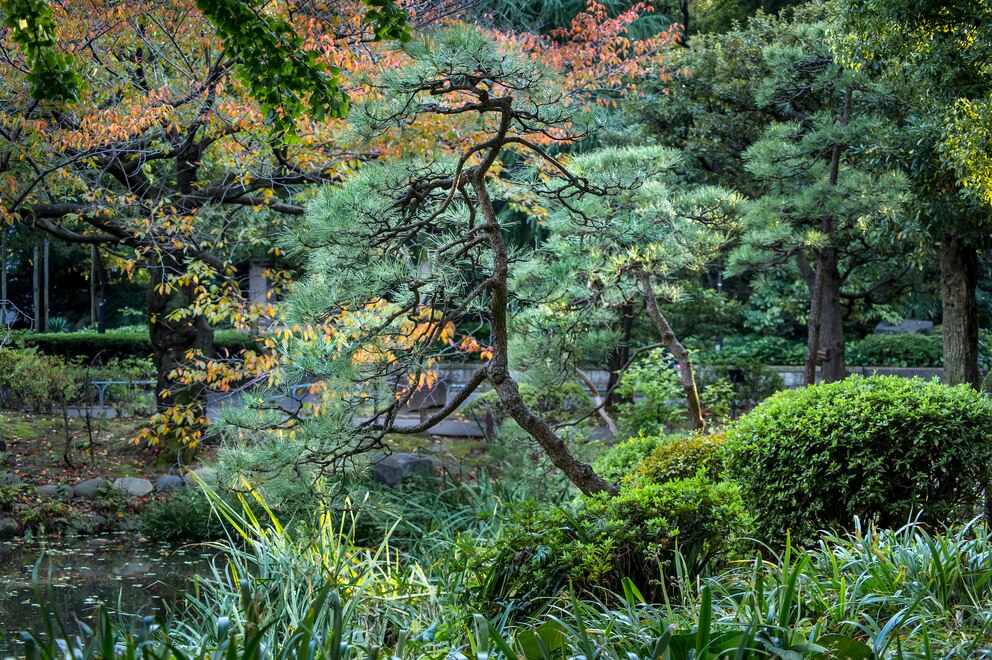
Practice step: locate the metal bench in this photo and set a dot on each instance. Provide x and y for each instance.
(102, 385)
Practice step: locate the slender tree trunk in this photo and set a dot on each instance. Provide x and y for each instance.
(813, 327)
(686, 376)
(579, 473)
(597, 401)
(67, 446)
(36, 286)
(3, 265)
(93, 279)
(825, 328)
(101, 306)
(959, 271)
(48, 284)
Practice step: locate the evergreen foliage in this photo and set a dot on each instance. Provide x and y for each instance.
(883, 449)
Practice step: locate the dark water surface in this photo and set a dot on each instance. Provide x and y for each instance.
(76, 574)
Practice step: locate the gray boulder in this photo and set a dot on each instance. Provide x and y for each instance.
(393, 469)
(168, 482)
(90, 488)
(61, 491)
(8, 528)
(134, 486)
(204, 474)
(9, 479)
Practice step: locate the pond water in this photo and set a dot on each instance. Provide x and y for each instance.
(78, 573)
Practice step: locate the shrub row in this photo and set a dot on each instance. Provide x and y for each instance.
(895, 350)
(32, 380)
(96, 347)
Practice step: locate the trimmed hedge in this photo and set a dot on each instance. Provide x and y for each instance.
(624, 458)
(887, 350)
(897, 350)
(684, 458)
(883, 448)
(93, 346)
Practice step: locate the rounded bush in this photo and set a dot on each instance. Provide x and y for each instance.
(883, 448)
(622, 459)
(681, 458)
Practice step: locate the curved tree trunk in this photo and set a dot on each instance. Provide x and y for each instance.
(958, 283)
(498, 372)
(686, 376)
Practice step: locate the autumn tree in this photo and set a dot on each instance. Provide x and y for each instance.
(597, 61)
(157, 132)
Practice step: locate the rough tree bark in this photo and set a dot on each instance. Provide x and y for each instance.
(686, 376)
(825, 328)
(498, 371)
(813, 328)
(171, 340)
(833, 366)
(959, 270)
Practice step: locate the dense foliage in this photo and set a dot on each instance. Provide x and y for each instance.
(882, 449)
(633, 534)
(279, 589)
(593, 229)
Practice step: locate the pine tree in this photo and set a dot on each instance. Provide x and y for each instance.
(603, 252)
(825, 198)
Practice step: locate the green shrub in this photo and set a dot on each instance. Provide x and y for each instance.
(183, 515)
(751, 382)
(754, 349)
(652, 400)
(42, 383)
(663, 457)
(58, 324)
(882, 448)
(682, 458)
(11, 494)
(603, 539)
(33, 380)
(897, 350)
(623, 459)
(96, 347)
(45, 515)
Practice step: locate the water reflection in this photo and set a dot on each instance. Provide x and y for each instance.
(121, 571)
